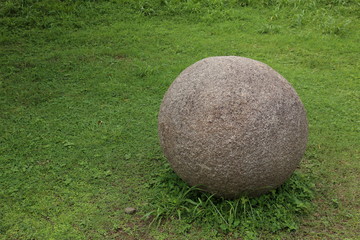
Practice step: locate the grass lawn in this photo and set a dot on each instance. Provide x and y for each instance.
(81, 83)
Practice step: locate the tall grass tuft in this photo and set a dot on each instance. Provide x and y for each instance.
(278, 210)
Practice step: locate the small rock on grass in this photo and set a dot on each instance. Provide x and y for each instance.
(130, 210)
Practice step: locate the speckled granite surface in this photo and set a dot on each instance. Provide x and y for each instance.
(232, 125)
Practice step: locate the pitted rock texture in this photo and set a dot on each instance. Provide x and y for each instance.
(232, 126)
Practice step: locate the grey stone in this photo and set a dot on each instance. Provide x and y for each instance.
(232, 126)
(130, 210)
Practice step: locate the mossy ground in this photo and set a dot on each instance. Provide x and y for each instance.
(80, 87)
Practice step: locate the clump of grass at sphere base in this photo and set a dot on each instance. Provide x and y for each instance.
(280, 209)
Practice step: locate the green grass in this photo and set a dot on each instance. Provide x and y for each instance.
(272, 212)
(67, 65)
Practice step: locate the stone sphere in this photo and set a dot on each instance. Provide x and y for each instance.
(232, 126)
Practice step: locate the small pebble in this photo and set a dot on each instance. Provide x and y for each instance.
(130, 210)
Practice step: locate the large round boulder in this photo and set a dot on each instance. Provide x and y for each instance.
(232, 126)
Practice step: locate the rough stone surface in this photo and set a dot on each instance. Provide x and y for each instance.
(232, 126)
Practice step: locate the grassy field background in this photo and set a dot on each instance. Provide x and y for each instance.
(81, 83)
